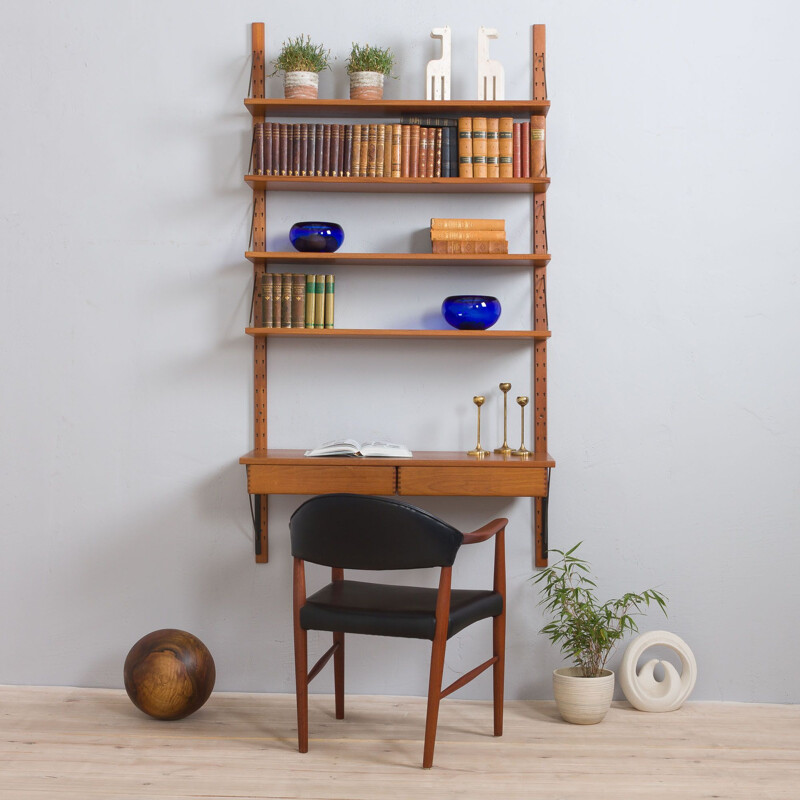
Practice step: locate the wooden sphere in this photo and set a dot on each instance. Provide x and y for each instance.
(169, 674)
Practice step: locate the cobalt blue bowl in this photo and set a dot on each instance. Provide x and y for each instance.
(316, 237)
(471, 312)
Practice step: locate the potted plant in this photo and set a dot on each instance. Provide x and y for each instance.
(301, 62)
(367, 68)
(587, 632)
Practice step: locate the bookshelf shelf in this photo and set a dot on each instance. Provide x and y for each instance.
(272, 183)
(399, 259)
(393, 333)
(382, 109)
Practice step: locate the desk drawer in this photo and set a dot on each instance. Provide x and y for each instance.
(319, 479)
(478, 481)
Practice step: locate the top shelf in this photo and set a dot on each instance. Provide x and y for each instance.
(381, 109)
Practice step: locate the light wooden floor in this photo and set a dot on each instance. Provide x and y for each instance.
(79, 743)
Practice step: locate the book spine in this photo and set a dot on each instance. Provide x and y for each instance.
(437, 152)
(318, 150)
(319, 301)
(446, 152)
(372, 148)
(296, 149)
(387, 152)
(397, 137)
(267, 148)
(329, 297)
(470, 248)
(277, 290)
(405, 152)
(356, 157)
(298, 300)
(466, 224)
(284, 148)
(258, 149)
(492, 148)
(340, 162)
(430, 122)
(266, 299)
(311, 149)
(334, 165)
(422, 155)
(380, 151)
(364, 150)
(479, 147)
(286, 300)
(465, 147)
(506, 146)
(347, 162)
(471, 235)
(326, 150)
(276, 148)
(525, 147)
(538, 164)
(310, 298)
(517, 149)
(415, 144)
(302, 158)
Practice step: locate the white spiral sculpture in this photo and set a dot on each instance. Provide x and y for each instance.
(643, 690)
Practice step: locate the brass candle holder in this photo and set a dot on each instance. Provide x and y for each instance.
(522, 451)
(479, 400)
(504, 449)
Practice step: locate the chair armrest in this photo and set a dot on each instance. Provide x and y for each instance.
(486, 532)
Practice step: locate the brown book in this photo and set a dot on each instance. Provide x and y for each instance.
(422, 159)
(318, 150)
(335, 150)
(415, 143)
(356, 157)
(298, 301)
(397, 137)
(276, 148)
(284, 148)
(286, 300)
(479, 147)
(517, 144)
(372, 148)
(470, 248)
(303, 156)
(465, 224)
(538, 163)
(380, 151)
(405, 151)
(340, 164)
(525, 146)
(296, 149)
(258, 149)
(326, 151)
(387, 157)
(437, 154)
(468, 235)
(329, 298)
(266, 299)
(506, 146)
(311, 154)
(364, 150)
(431, 168)
(277, 289)
(465, 147)
(347, 161)
(492, 148)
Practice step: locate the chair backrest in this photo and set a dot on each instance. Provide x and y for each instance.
(360, 532)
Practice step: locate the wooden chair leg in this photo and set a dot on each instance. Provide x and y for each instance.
(301, 681)
(437, 665)
(498, 670)
(338, 674)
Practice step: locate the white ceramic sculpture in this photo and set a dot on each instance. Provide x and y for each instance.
(491, 78)
(642, 689)
(437, 73)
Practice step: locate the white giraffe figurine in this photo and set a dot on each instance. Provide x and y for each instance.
(437, 73)
(491, 78)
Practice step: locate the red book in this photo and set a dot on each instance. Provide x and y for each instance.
(430, 166)
(517, 150)
(334, 165)
(437, 154)
(276, 149)
(268, 148)
(311, 154)
(284, 148)
(525, 145)
(318, 148)
(303, 157)
(341, 149)
(422, 160)
(326, 151)
(258, 148)
(296, 149)
(347, 161)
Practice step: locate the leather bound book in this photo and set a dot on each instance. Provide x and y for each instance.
(310, 298)
(434, 152)
(387, 153)
(405, 151)
(277, 289)
(517, 143)
(422, 156)
(319, 301)
(340, 163)
(276, 149)
(492, 148)
(258, 148)
(284, 148)
(506, 142)
(364, 150)
(266, 299)
(538, 163)
(311, 155)
(479, 147)
(329, 297)
(446, 152)
(397, 137)
(303, 159)
(415, 143)
(326, 151)
(467, 224)
(465, 147)
(380, 151)
(298, 300)
(268, 148)
(466, 235)
(318, 151)
(286, 300)
(470, 248)
(334, 164)
(356, 158)
(525, 148)
(347, 161)
(296, 149)
(372, 147)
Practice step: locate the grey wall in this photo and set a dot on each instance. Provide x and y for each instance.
(126, 385)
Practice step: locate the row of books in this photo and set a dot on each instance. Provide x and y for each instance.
(358, 150)
(296, 300)
(498, 147)
(463, 236)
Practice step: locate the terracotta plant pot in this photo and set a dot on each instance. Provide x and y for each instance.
(301, 85)
(366, 85)
(584, 701)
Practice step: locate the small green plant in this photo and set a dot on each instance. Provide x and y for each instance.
(300, 55)
(370, 59)
(586, 631)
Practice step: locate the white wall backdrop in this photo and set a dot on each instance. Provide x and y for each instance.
(126, 376)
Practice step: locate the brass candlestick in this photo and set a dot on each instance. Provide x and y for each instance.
(504, 449)
(522, 451)
(479, 400)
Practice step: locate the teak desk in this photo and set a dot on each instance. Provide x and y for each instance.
(439, 474)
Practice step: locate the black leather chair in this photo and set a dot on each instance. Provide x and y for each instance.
(346, 531)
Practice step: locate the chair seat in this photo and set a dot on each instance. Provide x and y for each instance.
(384, 610)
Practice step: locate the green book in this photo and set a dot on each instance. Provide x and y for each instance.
(319, 301)
(311, 285)
(329, 288)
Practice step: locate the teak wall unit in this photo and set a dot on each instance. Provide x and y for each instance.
(428, 473)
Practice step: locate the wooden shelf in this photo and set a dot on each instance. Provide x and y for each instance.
(393, 333)
(272, 183)
(399, 259)
(381, 109)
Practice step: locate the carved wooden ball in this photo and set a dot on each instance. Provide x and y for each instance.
(169, 674)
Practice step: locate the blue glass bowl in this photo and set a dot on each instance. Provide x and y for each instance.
(471, 312)
(316, 237)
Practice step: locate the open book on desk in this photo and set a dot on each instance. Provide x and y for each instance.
(350, 447)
